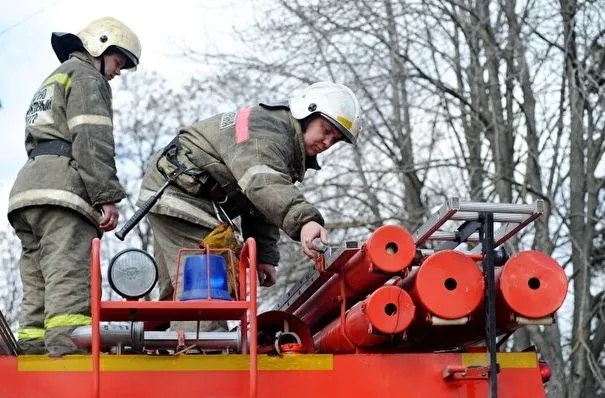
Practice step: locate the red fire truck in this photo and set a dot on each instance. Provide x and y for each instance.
(423, 314)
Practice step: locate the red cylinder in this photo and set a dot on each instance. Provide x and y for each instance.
(531, 285)
(389, 251)
(448, 284)
(387, 311)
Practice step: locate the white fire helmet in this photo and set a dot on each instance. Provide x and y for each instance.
(334, 101)
(96, 38)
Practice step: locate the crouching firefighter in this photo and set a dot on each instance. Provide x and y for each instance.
(66, 193)
(246, 163)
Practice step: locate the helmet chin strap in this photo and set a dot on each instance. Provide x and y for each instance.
(102, 68)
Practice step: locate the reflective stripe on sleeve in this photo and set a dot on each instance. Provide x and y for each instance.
(89, 119)
(34, 197)
(59, 78)
(256, 170)
(179, 206)
(242, 132)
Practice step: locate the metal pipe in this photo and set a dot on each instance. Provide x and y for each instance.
(112, 335)
(521, 208)
(473, 215)
(532, 285)
(276, 326)
(212, 341)
(122, 335)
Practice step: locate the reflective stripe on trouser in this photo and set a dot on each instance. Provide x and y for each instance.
(171, 234)
(58, 333)
(54, 264)
(31, 334)
(67, 320)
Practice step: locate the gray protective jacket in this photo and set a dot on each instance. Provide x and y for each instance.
(73, 105)
(256, 155)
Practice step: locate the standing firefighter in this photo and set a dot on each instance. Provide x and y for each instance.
(245, 163)
(66, 193)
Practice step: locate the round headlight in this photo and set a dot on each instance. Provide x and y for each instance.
(132, 273)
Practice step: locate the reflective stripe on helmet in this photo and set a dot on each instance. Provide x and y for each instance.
(344, 121)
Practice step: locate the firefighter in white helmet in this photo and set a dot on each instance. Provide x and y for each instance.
(246, 163)
(66, 193)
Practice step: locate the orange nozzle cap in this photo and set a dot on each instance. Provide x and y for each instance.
(533, 284)
(390, 309)
(391, 248)
(449, 284)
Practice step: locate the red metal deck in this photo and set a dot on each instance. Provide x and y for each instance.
(294, 376)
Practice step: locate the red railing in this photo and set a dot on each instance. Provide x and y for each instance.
(244, 310)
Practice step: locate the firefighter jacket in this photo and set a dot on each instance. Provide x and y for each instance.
(73, 108)
(256, 155)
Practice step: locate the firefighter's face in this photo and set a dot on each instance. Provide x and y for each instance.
(114, 63)
(320, 135)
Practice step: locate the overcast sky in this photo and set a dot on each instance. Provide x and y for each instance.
(27, 58)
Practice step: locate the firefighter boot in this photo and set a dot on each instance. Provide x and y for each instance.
(58, 342)
(31, 347)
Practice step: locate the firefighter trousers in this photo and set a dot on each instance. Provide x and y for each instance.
(55, 274)
(171, 234)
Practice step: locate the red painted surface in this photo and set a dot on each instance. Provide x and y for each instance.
(448, 284)
(243, 310)
(233, 376)
(532, 284)
(388, 310)
(364, 376)
(389, 251)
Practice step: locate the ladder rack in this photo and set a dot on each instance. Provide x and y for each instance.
(514, 217)
(478, 227)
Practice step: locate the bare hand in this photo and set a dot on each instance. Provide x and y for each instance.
(267, 275)
(110, 217)
(310, 231)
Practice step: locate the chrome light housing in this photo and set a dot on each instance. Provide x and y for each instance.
(132, 273)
